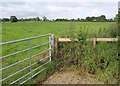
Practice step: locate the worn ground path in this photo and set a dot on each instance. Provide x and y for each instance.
(71, 77)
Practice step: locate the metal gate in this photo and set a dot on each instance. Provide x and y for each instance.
(30, 68)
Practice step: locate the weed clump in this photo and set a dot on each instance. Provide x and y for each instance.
(100, 61)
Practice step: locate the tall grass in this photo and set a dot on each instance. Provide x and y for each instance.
(101, 61)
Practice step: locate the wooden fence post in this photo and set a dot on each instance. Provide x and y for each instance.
(94, 42)
(56, 48)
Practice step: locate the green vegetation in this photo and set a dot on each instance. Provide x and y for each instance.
(86, 57)
(13, 31)
(102, 61)
(101, 18)
(13, 19)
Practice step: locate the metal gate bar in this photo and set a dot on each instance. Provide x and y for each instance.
(51, 44)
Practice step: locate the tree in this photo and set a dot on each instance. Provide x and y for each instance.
(5, 20)
(82, 19)
(93, 18)
(13, 19)
(88, 19)
(78, 19)
(37, 19)
(102, 17)
(99, 18)
(44, 18)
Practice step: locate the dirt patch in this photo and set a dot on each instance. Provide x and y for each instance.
(71, 77)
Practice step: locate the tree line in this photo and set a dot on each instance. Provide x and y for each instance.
(101, 18)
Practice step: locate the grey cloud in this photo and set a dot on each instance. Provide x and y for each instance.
(59, 9)
(13, 3)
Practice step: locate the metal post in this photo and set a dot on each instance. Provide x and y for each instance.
(1, 67)
(52, 45)
(29, 45)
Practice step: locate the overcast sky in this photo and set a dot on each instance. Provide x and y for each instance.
(59, 9)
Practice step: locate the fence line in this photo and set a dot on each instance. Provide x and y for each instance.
(29, 49)
(51, 42)
(91, 39)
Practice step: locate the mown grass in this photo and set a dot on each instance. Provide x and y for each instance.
(14, 31)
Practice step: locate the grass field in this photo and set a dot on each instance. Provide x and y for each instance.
(13, 31)
(19, 30)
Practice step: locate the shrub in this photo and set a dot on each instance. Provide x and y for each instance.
(113, 30)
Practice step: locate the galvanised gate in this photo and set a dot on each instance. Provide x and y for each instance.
(50, 43)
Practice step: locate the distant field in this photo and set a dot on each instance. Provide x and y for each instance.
(13, 31)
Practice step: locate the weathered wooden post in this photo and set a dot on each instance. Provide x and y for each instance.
(56, 47)
(94, 42)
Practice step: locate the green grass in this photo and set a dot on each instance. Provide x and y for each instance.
(19, 30)
(13, 31)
